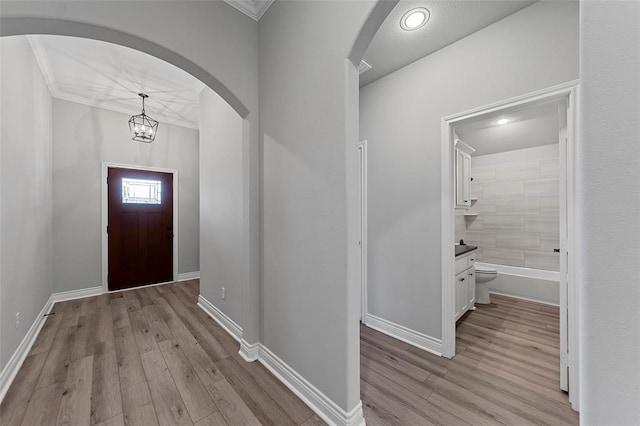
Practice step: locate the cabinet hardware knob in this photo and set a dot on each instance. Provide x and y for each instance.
(461, 279)
(556, 250)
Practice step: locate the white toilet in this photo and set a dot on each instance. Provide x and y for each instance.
(484, 275)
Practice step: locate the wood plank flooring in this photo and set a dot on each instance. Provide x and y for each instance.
(148, 356)
(151, 356)
(506, 371)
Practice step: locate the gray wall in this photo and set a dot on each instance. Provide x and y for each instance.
(310, 254)
(25, 176)
(209, 39)
(518, 208)
(400, 116)
(609, 178)
(220, 204)
(84, 137)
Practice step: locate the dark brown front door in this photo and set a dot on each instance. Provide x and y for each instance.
(140, 227)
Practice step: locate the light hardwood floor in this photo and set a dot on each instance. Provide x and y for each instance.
(506, 371)
(151, 356)
(144, 357)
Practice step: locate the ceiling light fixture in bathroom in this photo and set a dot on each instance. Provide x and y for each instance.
(503, 121)
(414, 19)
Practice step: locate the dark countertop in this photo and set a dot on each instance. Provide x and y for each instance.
(460, 250)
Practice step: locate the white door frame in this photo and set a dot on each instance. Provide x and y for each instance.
(105, 215)
(362, 149)
(567, 91)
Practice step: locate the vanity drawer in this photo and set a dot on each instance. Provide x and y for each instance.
(472, 260)
(462, 263)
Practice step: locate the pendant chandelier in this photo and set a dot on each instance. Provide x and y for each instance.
(143, 128)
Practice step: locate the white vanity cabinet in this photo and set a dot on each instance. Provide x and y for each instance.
(463, 174)
(465, 283)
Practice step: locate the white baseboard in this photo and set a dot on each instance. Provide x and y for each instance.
(195, 275)
(221, 318)
(10, 370)
(76, 294)
(323, 406)
(249, 351)
(400, 332)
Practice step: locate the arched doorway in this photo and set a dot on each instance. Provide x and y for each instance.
(242, 99)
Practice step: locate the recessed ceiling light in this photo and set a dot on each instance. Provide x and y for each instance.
(503, 121)
(414, 19)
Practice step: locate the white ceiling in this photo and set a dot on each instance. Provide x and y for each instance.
(110, 76)
(530, 127)
(392, 47)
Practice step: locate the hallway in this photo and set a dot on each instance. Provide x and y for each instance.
(152, 356)
(143, 357)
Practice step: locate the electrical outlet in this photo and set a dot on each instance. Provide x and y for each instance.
(223, 293)
(17, 320)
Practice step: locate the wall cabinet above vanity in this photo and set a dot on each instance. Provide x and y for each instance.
(463, 175)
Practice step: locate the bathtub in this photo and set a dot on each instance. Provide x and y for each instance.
(525, 283)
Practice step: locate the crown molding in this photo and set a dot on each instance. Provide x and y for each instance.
(252, 8)
(42, 58)
(364, 67)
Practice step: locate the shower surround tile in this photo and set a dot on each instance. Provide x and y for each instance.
(517, 222)
(503, 189)
(539, 260)
(520, 205)
(503, 257)
(514, 241)
(549, 168)
(518, 171)
(549, 242)
(546, 224)
(481, 239)
(483, 174)
(542, 188)
(499, 222)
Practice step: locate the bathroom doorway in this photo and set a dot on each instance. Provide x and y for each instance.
(554, 245)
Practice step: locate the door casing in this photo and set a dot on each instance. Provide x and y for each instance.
(105, 217)
(362, 150)
(570, 92)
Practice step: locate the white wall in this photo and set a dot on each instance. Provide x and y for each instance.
(400, 116)
(609, 178)
(84, 137)
(310, 253)
(25, 176)
(220, 204)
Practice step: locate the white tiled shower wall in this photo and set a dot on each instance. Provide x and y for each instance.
(517, 207)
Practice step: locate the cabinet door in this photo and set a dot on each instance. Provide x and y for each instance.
(471, 283)
(463, 179)
(466, 176)
(462, 292)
